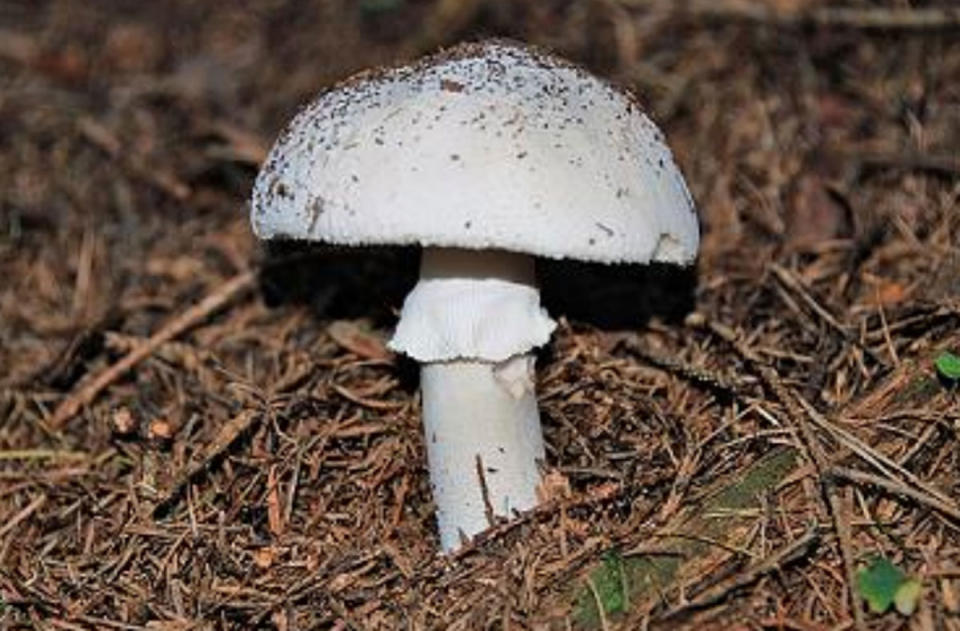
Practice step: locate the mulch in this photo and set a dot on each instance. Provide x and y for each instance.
(199, 432)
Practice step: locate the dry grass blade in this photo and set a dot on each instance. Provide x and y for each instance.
(871, 456)
(791, 282)
(42, 454)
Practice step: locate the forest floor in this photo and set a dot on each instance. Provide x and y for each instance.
(198, 434)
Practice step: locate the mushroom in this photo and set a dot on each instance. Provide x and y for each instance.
(486, 155)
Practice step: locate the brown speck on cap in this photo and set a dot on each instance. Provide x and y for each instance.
(449, 85)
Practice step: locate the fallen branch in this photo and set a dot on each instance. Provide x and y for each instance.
(787, 554)
(88, 392)
(897, 488)
(943, 164)
(867, 18)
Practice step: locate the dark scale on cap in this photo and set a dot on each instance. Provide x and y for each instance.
(316, 209)
(451, 86)
(606, 230)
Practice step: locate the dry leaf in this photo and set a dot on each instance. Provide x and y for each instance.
(274, 513)
(951, 601)
(554, 486)
(160, 429)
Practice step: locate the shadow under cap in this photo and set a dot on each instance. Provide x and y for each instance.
(616, 297)
(340, 282)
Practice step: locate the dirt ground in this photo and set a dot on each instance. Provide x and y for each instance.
(197, 433)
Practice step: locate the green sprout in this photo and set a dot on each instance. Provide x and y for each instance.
(882, 584)
(373, 7)
(948, 365)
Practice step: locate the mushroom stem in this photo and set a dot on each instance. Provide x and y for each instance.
(483, 439)
(472, 322)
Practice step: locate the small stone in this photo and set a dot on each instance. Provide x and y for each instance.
(160, 429)
(123, 422)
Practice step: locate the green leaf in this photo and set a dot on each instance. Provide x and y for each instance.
(878, 583)
(948, 365)
(907, 596)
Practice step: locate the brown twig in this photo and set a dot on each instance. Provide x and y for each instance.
(107, 142)
(943, 164)
(544, 510)
(715, 383)
(485, 492)
(887, 18)
(274, 511)
(28, 510)
(230, 290)
(228, 434)
(790, 281)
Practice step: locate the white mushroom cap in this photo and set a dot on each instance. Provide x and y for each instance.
(489, 145)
